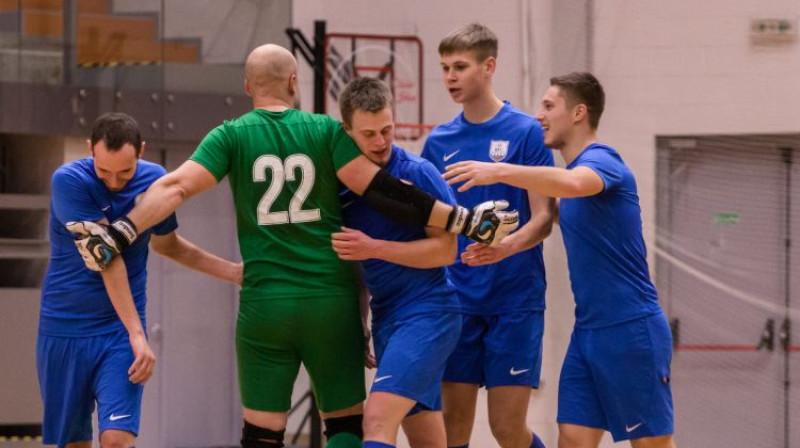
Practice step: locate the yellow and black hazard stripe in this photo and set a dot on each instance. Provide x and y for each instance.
(21, 433)
(4, 439)
(116, 64)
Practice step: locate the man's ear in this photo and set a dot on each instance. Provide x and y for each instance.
(579, 113)
(293, 85)
(141, 151)
(247, 88)
(89, 145)
(491, 64)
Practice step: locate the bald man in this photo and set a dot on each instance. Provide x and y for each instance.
(298, 302)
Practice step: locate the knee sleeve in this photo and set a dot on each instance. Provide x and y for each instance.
(351, 424)
(257, 437)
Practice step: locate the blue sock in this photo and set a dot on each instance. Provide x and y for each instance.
(371, 444)
(537, 442)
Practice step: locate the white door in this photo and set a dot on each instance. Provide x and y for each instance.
(721, 273)
(193, 400)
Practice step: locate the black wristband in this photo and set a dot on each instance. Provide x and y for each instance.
(123, 231)
(457, 220)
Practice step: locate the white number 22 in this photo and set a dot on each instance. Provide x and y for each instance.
(281, 172)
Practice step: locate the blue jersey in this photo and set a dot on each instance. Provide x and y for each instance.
(74, 299)
(400, 291)
(605, 249)
(516, 283)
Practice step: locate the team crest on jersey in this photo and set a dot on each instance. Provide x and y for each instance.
(498, 150)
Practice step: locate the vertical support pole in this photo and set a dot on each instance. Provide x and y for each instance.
(70, 12)
(319, 66)
(786, 157)
(316, 423)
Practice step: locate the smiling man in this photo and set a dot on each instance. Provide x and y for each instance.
(92, 348)
(616, 373)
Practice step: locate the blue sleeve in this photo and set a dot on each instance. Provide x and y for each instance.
(428, 178)
(606, 165)
(72, 200)
(427, 152)
(536, 153)
(167, 226)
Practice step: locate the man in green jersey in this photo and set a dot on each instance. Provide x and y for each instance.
(298, 302)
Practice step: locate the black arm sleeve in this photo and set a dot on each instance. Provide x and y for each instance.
(398, 200)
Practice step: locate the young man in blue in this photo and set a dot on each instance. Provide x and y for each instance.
(501, 288)
(92, 348)
(415, 310)
(616, 372)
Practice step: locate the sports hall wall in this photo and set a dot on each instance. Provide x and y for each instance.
(670, 68)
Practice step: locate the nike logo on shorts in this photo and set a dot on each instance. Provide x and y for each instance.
(517, 372)
(632, 428)
(450, 156)
(114, 418)
(381, 378)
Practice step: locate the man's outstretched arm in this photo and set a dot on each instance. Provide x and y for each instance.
(486, 223)
(438, 249)
(169, 192)
(160, 200)
(184, 252)
(543, 180)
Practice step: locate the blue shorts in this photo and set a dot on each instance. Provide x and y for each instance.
(617, 378)
(498, 350)
(76, 372)
(411, 355)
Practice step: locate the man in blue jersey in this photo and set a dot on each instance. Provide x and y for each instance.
(415, 310)
(92, 348)
(616, 372)
(501, 288)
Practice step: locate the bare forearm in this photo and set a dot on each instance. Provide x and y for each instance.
(538, 228)
(115, 279)
(530, 235)
(160, 200)
(189, 255)
(169, 192)
(421, 254)
(543, 180)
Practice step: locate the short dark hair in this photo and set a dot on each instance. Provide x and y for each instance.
(116, 129)
(365, 94)
(582, 88)
(473, 37)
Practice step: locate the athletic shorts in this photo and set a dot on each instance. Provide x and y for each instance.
(274, 336)
(77, 372)
(412, 354)
(498, 350)
(617, 378)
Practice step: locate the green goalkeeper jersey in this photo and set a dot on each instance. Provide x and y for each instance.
(282, 170)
